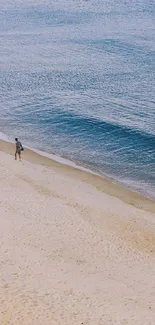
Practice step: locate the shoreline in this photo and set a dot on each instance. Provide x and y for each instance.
(69, 168)
(69, 242)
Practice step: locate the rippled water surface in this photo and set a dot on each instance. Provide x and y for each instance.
(78, 78)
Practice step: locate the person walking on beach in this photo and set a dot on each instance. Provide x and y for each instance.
(19, 149)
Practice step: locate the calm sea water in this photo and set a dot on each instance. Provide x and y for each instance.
(77, 78)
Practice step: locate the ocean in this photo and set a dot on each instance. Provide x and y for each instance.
(77, 78)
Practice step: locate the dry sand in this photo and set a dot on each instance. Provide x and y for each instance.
(75, 248)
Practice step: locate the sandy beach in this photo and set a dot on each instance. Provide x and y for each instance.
(75, 248)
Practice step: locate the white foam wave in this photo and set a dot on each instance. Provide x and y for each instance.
(3, 136)
(62, 160)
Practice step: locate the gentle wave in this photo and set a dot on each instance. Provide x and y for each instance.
(77, 79)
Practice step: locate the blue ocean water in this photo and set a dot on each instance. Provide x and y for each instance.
(77, 78)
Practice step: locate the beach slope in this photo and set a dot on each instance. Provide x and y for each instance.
(70, 252)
